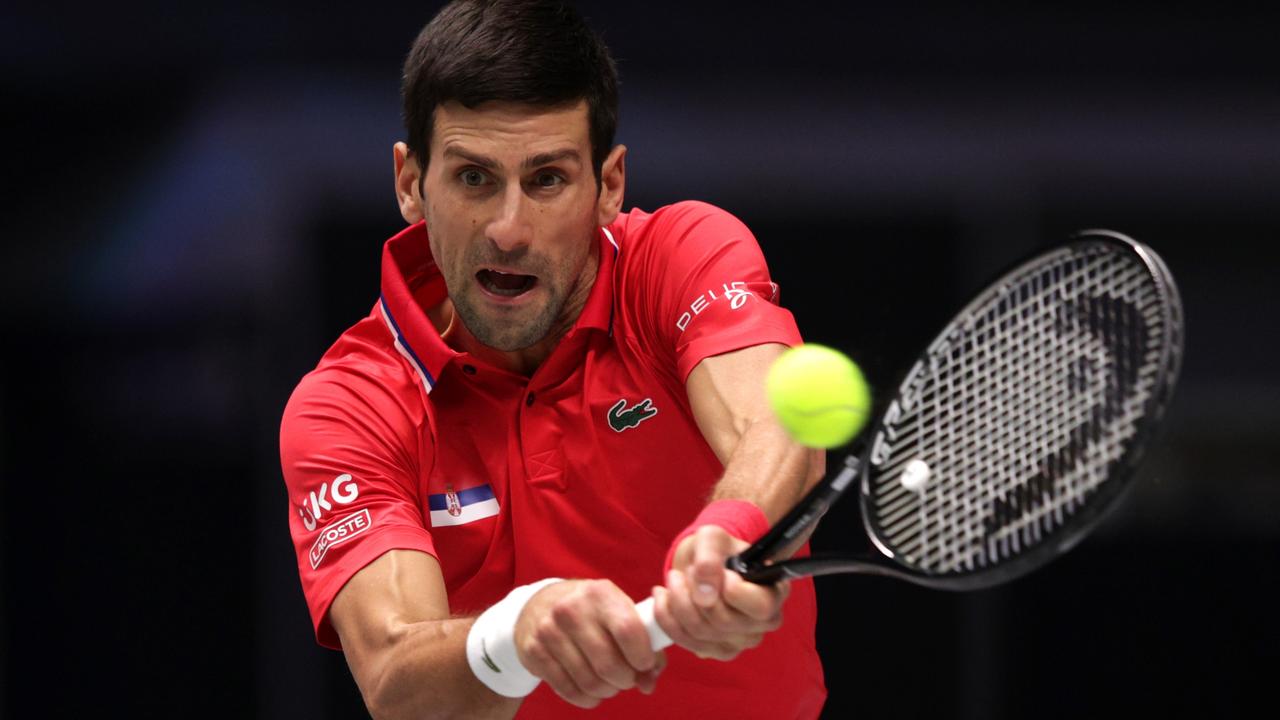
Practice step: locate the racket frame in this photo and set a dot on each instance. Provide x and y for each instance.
(758, 564)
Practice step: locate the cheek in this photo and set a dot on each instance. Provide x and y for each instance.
(439, 232)
(573, 257)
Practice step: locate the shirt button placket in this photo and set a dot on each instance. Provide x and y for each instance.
(544, 456)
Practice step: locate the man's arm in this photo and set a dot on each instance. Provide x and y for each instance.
(408, 655)
(705, 607)
(762, 464)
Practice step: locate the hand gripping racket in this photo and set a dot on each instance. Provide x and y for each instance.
(1013, 433)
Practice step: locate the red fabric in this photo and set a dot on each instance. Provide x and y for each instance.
(508, 479)
(739, 518)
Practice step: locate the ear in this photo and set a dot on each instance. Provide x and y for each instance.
(613, 182)
(408, 183)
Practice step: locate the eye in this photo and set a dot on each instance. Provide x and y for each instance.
(547, 180)
(472, 177)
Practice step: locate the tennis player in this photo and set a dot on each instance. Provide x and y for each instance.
(554, 410)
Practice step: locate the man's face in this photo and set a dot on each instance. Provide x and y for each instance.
(511, 204)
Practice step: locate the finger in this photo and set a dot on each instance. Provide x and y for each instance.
(712, 546)
(703, 629)
(647, 681)
(691, 629)
(758, 603)
(726, 651)
(563, 646)
(724, 620)
(625, 648)
(693, 626)
(662, 612)
(629, 635)
(784, 587)
(542, 663)
(609, 671)
(684, 554)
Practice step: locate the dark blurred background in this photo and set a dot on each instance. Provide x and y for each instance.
(196, 197)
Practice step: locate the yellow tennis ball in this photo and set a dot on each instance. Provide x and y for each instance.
(819, 395)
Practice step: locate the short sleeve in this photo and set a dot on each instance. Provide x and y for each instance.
(350, 453)
(706, 287)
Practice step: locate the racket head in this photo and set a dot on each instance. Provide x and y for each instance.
(1031, 410)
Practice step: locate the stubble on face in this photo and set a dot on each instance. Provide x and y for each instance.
(512, 329)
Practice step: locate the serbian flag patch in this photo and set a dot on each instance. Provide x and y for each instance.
(463, 506)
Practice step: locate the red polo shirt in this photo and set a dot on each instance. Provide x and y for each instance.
(587, 469)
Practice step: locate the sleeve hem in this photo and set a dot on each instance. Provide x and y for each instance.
(706, 347)
(321, 595)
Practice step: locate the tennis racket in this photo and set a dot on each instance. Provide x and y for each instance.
(1012, 435)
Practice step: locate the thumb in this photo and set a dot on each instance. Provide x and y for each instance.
(712, 546)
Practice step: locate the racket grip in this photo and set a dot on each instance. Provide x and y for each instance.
(658, 638)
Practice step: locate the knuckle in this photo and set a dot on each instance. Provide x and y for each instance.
(546, 630)
(564, 613)
(535, 654)
(599, 588)
(627, 628)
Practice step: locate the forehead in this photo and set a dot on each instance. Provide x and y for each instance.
(503, 127)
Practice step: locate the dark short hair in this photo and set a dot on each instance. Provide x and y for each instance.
(539, 52)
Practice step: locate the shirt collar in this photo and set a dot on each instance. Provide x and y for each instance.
(597, 314)
(411, 282)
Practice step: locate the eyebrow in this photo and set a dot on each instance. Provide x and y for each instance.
(548, 158)
(532, 161)
(481, 160)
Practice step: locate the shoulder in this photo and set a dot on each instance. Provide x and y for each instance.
(678, 239)
(677, 223)
(361, 386)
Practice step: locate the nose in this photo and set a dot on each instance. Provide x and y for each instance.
(512, 227)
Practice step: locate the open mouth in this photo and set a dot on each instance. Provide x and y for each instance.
(505, 284)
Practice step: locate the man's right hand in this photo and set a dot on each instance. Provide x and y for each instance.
(585, 639)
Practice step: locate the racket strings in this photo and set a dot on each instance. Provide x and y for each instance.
(1019, 410)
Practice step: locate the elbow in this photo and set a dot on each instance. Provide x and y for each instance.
(380, 699)
(392, 695)
(387, 701)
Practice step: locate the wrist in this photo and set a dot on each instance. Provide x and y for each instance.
(740, 518)
(491, 645)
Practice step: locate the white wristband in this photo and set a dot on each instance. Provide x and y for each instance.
(491, 644)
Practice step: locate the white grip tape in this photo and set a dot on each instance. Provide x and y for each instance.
(658, 638)
(491, 644)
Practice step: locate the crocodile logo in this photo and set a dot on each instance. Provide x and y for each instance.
(622, 417)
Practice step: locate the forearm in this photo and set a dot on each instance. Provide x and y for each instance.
(762, 464)
(420, 670)
(769, 470)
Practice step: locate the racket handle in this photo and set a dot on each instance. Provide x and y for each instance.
(658, 639)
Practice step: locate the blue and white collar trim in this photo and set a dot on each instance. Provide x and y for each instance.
(403, 347)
